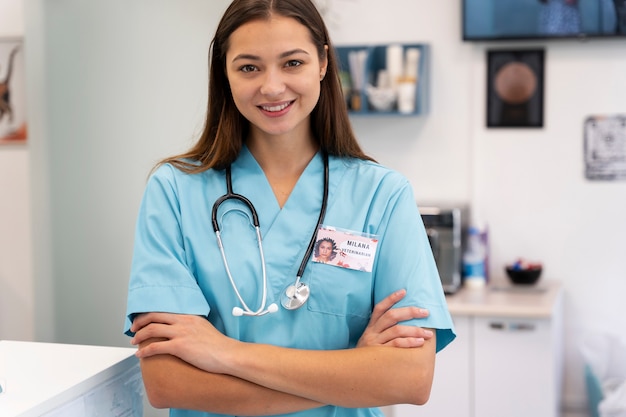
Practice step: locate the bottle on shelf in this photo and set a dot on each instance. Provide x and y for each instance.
(474, 259)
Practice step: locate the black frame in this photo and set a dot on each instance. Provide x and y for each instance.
(527, 113)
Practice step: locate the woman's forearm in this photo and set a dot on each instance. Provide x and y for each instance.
(361, 377)
(173, 383)
(187, 363)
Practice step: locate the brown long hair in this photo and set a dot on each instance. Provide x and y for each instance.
(225, 128)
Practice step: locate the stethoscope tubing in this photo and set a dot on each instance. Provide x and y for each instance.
(246, 310)
(296, 287)
(228, 196)
(320, 220)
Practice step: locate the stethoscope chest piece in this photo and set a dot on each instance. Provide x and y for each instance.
(295, 296)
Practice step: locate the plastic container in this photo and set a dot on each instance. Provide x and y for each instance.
(474, 259)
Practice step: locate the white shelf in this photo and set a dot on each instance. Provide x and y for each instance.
(375, 62)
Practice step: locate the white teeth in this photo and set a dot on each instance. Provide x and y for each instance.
(275, 108)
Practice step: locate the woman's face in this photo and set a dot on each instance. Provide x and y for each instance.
(274, 73)
(325, 250)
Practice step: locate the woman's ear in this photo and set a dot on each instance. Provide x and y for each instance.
(324, 63)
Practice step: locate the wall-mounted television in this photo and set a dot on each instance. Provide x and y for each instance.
(485, 20)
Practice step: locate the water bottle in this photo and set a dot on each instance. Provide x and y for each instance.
(474, 260)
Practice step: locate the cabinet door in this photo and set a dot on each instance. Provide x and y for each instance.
(450, 394)
(513, 368)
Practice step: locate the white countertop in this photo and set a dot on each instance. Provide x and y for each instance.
(37, 377)
(506, 300)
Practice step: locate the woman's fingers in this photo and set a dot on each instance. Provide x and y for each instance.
(151, 331)
(399, 335)
(383, 327)
(383, 306)
(142, 320)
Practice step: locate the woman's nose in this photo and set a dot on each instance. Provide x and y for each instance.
(273, 83)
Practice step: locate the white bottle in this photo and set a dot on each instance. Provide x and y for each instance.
(474, 260)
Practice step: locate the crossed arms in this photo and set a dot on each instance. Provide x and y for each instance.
(391, 364)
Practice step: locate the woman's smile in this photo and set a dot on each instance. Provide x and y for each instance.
(277, 109)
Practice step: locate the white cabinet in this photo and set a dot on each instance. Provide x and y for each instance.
(59, 380)
(515, 367)
(506, 359)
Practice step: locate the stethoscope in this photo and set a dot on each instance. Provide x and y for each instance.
(295, 295)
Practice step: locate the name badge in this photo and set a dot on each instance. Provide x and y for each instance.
(345, 248)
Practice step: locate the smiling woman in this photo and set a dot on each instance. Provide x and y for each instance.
(206, 310)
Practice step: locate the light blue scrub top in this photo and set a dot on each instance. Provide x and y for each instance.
(177, 266)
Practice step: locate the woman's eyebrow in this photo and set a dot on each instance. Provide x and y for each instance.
(249, 57)
(293, 52)
(285, 54)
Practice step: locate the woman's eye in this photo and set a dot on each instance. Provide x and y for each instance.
(247, 68)
(293, 63)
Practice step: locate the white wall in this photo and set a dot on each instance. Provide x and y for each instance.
(119, 84)
(433, 151)
(532, 188)
(527, 184)
(16, 281)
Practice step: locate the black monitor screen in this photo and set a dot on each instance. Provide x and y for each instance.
(540, 19)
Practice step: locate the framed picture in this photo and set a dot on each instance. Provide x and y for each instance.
(12, 92)
(515, 84)
(605, 147)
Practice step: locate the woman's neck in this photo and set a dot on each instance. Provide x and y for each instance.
(283, 160)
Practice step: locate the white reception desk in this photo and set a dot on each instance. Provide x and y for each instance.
(60, 380)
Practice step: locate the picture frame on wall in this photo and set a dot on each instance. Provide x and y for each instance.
(515, 88)
(13, 126)
(605, 147)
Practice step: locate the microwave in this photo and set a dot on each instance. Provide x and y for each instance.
(446, 227)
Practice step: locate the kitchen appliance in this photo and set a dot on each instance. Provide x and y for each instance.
(446, 227)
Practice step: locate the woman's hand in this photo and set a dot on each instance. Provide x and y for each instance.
(191, 338)
(383, 327)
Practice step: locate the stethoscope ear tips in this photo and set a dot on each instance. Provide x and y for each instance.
(238, 311)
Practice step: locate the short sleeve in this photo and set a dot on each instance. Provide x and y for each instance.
(160, 277)
(405, 261)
